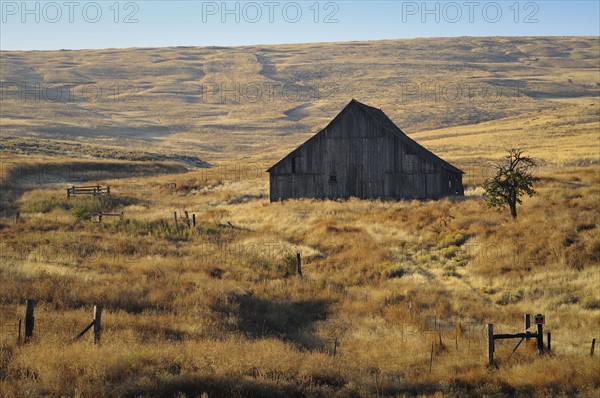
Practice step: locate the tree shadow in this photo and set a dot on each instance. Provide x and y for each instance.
(289, 320)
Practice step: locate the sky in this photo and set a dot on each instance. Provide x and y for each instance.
(69, 24)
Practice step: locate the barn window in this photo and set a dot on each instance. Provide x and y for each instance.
(293, 165)
(332, 178)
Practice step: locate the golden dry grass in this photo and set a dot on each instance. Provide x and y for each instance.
(211, 310)
(216, 310)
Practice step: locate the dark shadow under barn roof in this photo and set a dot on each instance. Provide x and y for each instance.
(387, 124)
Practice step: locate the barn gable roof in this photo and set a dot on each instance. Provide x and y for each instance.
(381, 119)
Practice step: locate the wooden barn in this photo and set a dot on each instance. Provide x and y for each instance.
(362, 153)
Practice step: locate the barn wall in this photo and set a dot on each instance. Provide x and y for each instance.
(356, 157)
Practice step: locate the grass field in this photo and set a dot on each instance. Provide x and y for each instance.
(395, 295)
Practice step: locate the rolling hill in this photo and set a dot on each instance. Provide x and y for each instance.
(222, 103)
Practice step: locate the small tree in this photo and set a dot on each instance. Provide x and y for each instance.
(81, 212)
(288, 266)
(513, 179)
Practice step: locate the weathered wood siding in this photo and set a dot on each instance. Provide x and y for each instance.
(354, 156)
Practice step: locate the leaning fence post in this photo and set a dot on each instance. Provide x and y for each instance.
(29, 319)
(299, 263)
(431, 356)
(490, 344)
(97, 324)
(593, 346)
(194, 219)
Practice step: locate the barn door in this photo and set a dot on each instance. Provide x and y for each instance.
(354, 184)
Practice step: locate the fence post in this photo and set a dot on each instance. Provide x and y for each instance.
(593, 346)
(194, 219)
(97, 323)
(175, 217)
(540, 338)
(431, 356)
(456, 340)
(19, 335)
(335, 344)
(490, 344)
(549, 342)
(299, 263)
(527, 321)
(29, 319)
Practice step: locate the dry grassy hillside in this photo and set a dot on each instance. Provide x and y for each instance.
(218, 310)
(395, 296)
(212, 102)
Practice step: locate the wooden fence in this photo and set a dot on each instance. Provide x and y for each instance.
(100, 215)
(187, 220)
(30, 318)
(539, 321)
(94, 190)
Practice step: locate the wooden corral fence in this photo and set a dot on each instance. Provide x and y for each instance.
(94, 190)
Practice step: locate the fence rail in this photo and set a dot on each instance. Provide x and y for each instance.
(87, 190)
(100, 215)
